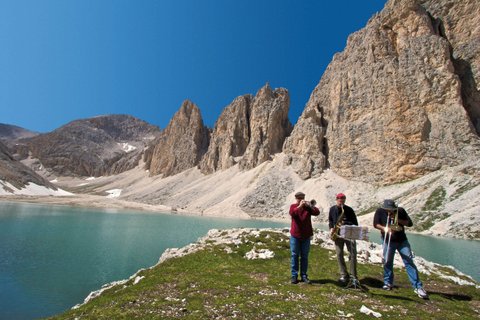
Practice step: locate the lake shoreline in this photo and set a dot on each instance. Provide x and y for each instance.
(101, 202)
(119, 206)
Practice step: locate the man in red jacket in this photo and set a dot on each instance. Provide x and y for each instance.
(301, 232)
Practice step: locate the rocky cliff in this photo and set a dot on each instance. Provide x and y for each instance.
(269, 125)
(17, 174)
(97, 146)
(393, 105)
(230, 137)
(181, 145)
(249, 131)
(458, 22)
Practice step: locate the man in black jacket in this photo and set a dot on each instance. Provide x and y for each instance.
(349, 218)
(391, 220)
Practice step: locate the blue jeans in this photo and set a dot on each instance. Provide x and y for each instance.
(405, 252)
(299, 248)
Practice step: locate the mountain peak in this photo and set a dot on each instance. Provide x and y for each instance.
(182, 144)
(249, 131)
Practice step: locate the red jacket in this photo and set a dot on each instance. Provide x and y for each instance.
(301, 221)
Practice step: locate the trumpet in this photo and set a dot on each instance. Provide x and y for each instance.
(334, 235)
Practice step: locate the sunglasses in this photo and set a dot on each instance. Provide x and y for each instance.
(341, 198)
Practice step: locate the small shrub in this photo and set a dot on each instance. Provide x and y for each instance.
(435, 200)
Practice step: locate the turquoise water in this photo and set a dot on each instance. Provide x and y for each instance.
(464, 255)
(51, 257)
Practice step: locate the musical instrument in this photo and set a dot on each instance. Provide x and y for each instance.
(334, 235)
(394, 225)
(391, 226)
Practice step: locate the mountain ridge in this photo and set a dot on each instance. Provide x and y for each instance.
(11, 132)
(15, 176)
(88, 147)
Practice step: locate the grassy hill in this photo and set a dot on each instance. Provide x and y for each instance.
(215, 281)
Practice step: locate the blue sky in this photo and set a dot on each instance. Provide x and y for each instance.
(62, 60)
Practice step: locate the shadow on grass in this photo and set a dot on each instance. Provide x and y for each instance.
(393, 296)
(377, 283)
(338, 284)
(334, 282)
(451, 296)
(372, 282)
(328, 281)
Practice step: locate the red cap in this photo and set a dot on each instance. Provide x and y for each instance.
(340, 195)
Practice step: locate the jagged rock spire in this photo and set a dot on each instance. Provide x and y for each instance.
(249, 131)
(269, 125)
(182, 144)
(230, 136)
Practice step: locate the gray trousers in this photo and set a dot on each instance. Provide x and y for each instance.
(352, 250)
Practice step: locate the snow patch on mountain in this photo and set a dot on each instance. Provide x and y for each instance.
(31, 189)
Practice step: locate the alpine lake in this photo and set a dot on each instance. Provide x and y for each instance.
(52, 257)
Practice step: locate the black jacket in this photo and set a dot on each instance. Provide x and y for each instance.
(381, 216)
(349, 217)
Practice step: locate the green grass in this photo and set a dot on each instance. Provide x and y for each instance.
(429, 216)
(212, 284)
(426, 220)
(435, 200)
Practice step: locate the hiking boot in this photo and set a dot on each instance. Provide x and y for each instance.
(387, 287)
(294, 280)
(343, 279)
(421, 293)
(306, 280)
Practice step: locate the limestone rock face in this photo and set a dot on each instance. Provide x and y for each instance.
(388, 108)
(181, 145)
(459, 23)
(269, 126)
(305, 147)
(230, 136)
(249, 131)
